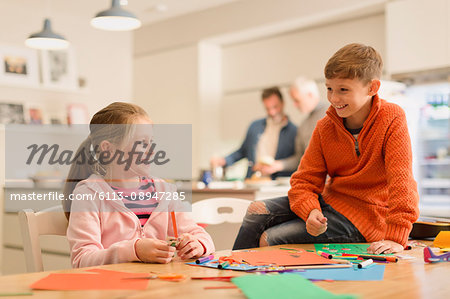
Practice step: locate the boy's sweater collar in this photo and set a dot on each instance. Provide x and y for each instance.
(376, 104)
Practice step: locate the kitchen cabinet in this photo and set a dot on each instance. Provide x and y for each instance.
(418, 35)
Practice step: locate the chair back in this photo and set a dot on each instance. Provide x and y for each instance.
(207, 210)
(51, 221)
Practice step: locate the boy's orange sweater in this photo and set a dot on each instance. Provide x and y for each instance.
(376, 190)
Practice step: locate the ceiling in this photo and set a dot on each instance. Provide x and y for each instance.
(146, 10)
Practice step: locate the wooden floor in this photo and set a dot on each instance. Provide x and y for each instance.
(405, 279)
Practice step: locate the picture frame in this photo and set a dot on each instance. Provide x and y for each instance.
(19, 66)
(11, 113)
(58, 69)
(35, 114)
(77, 114)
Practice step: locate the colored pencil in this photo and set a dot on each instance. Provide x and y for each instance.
(16, 294)
(221, 287)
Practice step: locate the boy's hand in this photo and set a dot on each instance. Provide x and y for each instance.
(316, 224)
(154, 251)
(384, 246)
(189, 247)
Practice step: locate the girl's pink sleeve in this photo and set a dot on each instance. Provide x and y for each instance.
(84, 236)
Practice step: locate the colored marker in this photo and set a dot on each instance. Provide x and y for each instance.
(365, 263)
(325, 255)
(223, 265)
(174, 224)
(204, 259)
(392, 259)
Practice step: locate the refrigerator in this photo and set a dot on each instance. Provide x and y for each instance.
(428, 115)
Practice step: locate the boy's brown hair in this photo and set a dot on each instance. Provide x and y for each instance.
(355, 61)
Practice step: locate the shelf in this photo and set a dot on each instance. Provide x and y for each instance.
(445, 161)
(443, 200)
(434, 210)
(78, 91)
(435, 183)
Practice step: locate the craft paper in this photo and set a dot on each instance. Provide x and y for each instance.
(442, 240)
(374, 272)
(339, 249)
(284, 286)
(98, 279)
(234, 266)
(281, 257)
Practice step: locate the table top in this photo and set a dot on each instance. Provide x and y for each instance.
(405, 279)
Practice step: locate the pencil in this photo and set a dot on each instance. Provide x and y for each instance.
(174, 223)
(16, 294)
(220, 287)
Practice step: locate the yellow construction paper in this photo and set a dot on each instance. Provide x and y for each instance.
(442, 240)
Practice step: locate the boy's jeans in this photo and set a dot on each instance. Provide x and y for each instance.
(283, 226)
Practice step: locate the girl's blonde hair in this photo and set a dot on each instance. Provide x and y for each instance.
(117, 115)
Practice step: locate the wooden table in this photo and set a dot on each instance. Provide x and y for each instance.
(405, 279)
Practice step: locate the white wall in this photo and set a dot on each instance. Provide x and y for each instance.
(252, 66)
(104, 59)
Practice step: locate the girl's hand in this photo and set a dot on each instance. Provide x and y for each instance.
(316, 224)
(384, 246)
(154, 251)
(189, 247)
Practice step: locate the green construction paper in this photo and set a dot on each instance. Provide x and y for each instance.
(353, 249)
(284, 286)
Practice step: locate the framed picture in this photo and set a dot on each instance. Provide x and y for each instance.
(58, 69)
(77, 114)
(11, 114)
(19, 66)
(34, 114)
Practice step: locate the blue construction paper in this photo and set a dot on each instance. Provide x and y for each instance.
(374, 272)
(215, 263)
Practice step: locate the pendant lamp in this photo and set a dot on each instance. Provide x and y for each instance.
(115, 19)
(47, 39)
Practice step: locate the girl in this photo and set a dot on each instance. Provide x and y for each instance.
(106, 224)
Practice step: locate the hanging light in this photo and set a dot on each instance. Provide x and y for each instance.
(47, 39)
(115, 19)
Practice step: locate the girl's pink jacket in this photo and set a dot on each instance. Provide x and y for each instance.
(105, 231)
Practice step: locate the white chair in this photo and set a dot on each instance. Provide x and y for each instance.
(207, 210)
(223, 226)
(51, 221)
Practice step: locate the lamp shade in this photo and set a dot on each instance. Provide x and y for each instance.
(47, 39)
(115, 19)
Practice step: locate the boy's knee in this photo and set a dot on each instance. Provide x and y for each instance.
(263, 240)
(257, 208)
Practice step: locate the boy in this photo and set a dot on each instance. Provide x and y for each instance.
(363, 146)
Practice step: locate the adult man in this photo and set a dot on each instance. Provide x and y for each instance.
(305, 95)
(268, 139)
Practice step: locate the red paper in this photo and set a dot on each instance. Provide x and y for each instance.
(99, 279)
(281, 257)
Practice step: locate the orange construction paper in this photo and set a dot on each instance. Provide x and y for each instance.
(442, 240)
(281, 257)
(98, 279)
